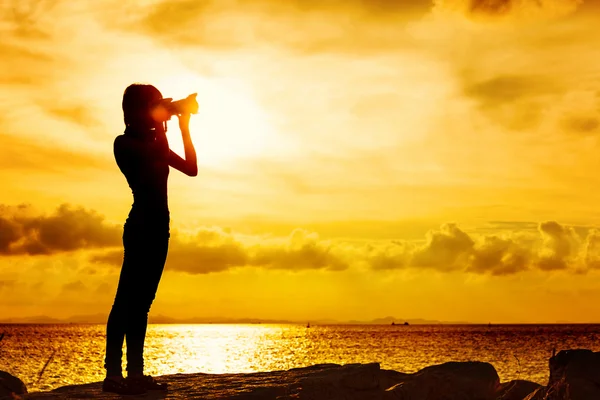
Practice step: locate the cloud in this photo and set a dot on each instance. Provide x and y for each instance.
(211, 250)
(499, 256)
(553, 247)
(578, 113)
(26, 63)
(78, 114)
(504, 89)
(75, 286)
(67, 229)
(444, 249)
(215, 250)
(591, 249)
(510, 8)
(560, 245)
(584, 124)
(7, 284)
(509, 226)
(521, 101)
(302, 250)
(550, 247)
(22, 18)
(521, 76)
(28, 155)
(104, 288)
(394, 255)
(18, 55)
(306, 26)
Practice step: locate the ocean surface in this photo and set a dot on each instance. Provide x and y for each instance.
(73, 354)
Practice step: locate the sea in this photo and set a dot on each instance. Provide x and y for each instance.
(49, 356)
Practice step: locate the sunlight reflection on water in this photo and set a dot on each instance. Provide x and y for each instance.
(515, 351)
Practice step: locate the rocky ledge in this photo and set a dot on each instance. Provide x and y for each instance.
(574, 375)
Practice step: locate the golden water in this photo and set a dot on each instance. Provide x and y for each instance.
(515, 351)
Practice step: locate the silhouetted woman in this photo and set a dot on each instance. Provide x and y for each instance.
(143, 155)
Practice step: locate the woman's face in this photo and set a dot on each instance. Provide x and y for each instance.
(150, 116)
(146, 118)
(158, 111)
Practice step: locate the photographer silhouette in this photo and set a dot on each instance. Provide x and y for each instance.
(143, 156)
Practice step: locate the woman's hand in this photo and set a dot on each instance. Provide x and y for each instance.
(184, 122)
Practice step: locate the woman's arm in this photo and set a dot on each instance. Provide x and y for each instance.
(189, 166)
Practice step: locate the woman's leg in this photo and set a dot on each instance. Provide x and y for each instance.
(115, 335)
(151, 260)
(118, 318)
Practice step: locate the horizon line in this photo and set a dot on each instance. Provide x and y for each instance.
(97, 319)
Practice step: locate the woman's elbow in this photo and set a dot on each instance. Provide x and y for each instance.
(192, 172)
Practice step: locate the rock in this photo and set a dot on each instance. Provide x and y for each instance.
(464, 380)
(10, 385)
(388, 378)
(325, 381)
(449, 381)
(516, 390)
(539, 393)
(574, 375)
(351, 381)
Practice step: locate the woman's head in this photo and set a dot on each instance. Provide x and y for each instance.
(138, 102)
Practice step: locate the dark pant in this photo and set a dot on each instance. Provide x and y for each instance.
(143, 262)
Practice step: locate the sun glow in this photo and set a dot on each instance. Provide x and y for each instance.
(230, 124)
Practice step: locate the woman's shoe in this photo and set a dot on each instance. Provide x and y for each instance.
(147, 382)
(122, 386)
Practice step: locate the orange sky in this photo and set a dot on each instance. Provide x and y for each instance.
(357, 159)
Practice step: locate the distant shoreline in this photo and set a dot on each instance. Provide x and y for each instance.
(160, 319)
(313, 324)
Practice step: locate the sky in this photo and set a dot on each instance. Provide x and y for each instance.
(357, 159)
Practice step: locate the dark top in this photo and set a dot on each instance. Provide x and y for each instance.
(143, 157)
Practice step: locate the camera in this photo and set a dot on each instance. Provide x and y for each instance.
(189, 105)
(167, 107)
